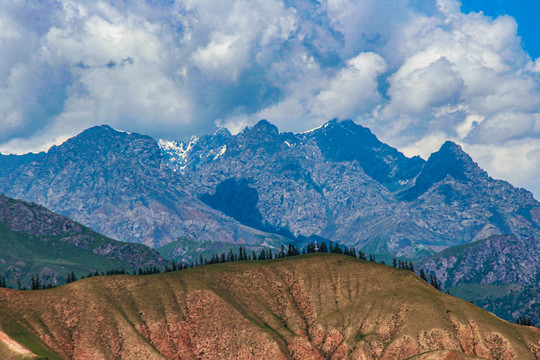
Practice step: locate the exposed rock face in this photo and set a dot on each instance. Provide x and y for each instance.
(500, 260)
(496, 260)
(35, 240)
(115, 183)
(317, 307)
(341, 183)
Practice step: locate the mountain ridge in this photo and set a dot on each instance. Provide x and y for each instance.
(37, 241)
(316, 306)
(412, 209)
(116, 183)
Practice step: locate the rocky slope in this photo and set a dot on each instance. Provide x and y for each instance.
(34, 240)
(495, 260)
(312, 307)
(502, 261)
(340, 182)
(115, 183)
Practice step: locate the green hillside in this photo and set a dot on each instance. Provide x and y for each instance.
(316, 306)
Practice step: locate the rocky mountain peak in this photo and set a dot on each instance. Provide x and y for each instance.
(265, 126)
(347, 141)
(262, 131)
(449, 160)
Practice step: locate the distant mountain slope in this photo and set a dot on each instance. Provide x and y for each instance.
(310, 307)
(340, 182)
(115, 183)
(508, 264)
(507, 301)
(34, 240)
(495, 260)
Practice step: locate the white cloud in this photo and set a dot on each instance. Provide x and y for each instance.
(353, 90)
(422, 88)
(248, 27)
(416, 74)
(516, 161)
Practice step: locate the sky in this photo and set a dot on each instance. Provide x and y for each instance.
(416, 72)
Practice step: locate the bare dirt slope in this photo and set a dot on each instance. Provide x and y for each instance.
(319, 306)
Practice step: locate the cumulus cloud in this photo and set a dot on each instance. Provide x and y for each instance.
(416, 72)
(465, 77)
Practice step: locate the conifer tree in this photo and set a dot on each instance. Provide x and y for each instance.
(322, 247)
(423, 275)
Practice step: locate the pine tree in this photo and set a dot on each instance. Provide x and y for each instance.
(522, 320)
(361, 255)
(323, 247)
(394, 263)
(423, 275)
(433, 281)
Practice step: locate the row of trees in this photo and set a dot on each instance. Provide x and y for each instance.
(522, 320)
(242, 255)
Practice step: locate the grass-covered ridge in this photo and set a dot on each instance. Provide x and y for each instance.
(309, 306)
(36, 241)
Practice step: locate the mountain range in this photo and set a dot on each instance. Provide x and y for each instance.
(341, 183)
(338, 182)
(116, 183)
(263, 188)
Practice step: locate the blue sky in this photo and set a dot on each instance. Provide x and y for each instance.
(525, 12)
(417, 73)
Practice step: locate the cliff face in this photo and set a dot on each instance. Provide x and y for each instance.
(311, 307)
(340, 182)
(115, 182)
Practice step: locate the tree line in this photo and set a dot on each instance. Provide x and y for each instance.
(241, 255)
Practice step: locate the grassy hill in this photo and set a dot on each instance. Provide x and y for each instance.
(34, 240)
(316, 306)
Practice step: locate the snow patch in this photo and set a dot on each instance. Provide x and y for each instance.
(178, 152)
(121, 131)
(221, 152)
(323, 126)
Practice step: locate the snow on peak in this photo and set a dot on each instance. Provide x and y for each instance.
(121, 131)
(177, 152)
(221, 152)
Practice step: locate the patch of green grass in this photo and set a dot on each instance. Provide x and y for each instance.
(25, 255)
(24, 337)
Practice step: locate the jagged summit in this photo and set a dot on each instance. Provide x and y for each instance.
(347, 141)
(449, 160)
(266, 126)
(263, 131)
